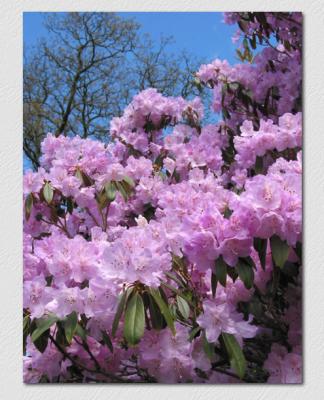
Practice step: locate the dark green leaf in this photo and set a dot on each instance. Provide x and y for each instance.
(287, 45)
(121, 190)
(134, 320)
(78, 174)
(299, 250)
(253, 41)
(290, 269)
(28, 205)
(176, 279)
(227, 213)
(213, 283)
(70, 325)
(258, 168)
(128, 189)
(42, 325)
(235, 354)
(280, 251)
(226, 114)
(69, 205)
(260, 246)
(60, 335)
(231, 272)
(26, 322)
(79, 331)
(83, 177)
(220, 270)
(107, 341)
(255, 308)
(120, 310)
(261, 17)
(102, 199)
(157, 319)
(48, 192)
(87, 181)
(26, 327)
(163, 308)
(245, 272)
(42, 341)
(129, 181)
(183, 307)
(178, 262)
(242, 24)
(194, 333)
(209, 348)
(110, 191)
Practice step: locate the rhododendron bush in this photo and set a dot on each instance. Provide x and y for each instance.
(172, 254)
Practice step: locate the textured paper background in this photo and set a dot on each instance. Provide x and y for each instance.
(11, 386)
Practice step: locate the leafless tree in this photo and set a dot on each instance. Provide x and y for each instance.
(88, 70)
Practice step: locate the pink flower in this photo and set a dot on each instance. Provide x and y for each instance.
(36, 296)
(222, 317)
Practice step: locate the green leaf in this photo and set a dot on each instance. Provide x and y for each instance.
(227, 213)
(26, 328)
(193, 333)
(87, 181)
(107, 341)
(42, 341)
(83, 177)
(260, 246)
(280, 251)
(240, 55)
(128, 189)
(183, 307)
(70, 325)
(80, 331)
(209, 348)
(102, 199)
(255, 308)
(26, 322)
(226, 114)
(245, 272)
(69, 205)
(220, 270)
(253, 42)
(157, 319)
(43, 324)
(29, 201)
(129, 181)
(299, 250)
(178, 262)
(175, 278)
(48, 192)
(287, 45)
(120, 310)
(121, 190)
(258, 168)
(213, 284)
(235, 354)
(290, 269)
(110, 191)
(134, 320)
(78, 174)
(60, 335)
(163, 308)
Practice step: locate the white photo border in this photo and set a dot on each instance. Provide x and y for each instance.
(11, 45)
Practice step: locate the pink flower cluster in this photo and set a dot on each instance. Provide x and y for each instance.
(161, 256)
(252, 144)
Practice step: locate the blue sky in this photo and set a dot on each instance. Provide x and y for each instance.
(202, 33)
